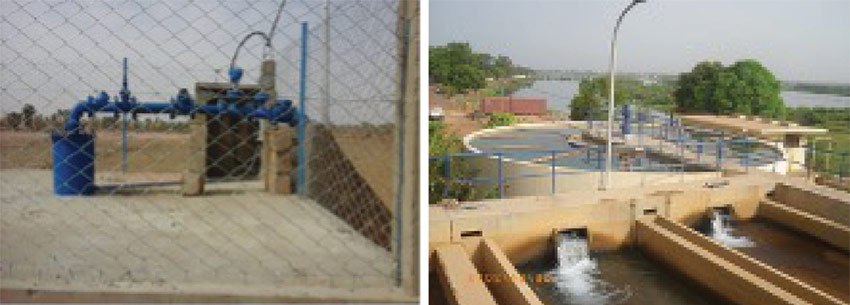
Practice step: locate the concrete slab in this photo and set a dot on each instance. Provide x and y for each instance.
(234, 240)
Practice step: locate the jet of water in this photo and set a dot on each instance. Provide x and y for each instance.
(577, 275)
(720, 232)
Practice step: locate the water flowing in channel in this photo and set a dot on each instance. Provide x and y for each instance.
(577, 275)
(720, 232)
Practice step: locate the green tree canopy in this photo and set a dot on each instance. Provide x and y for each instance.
(593, 94)
(457, 66)
(745, 87)
(500, 119)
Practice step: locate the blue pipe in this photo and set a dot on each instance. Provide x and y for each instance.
(280, 112)
(73, 149)
(301, 170)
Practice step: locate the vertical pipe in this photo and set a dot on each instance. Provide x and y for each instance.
(810, 164)
(699, 149)
(553, 172)
(746, 153)
(302, 87)
(662, 135)
(776, 159)
(610, 145)
(599, 159)
(326, 109)
(125, 95)
(720, 152)
(681, 131)
(447, 174)
(501, 178)
(123, 143)
(827, 156)
(641, 116)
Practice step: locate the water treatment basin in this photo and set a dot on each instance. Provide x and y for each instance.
(626, 276)
(539, 143)
(794, 253)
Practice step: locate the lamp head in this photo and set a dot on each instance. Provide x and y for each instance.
(638, 1)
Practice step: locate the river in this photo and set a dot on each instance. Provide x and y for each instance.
(559, 94)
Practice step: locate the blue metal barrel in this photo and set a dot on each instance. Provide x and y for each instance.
(73, 163)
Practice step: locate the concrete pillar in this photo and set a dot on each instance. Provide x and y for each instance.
(267, 85)
(406, 212)
(279, 149)
(794, 151)
(195, 172)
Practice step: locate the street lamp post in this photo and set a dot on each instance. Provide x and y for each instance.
(606, 183)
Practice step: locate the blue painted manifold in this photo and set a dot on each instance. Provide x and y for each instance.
(73, 148)
(280, 112)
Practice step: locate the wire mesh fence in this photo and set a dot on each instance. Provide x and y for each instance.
(283, 177)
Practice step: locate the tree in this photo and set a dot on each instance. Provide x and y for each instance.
(442, 143)
(745, 87)
(455, 65)
(500, 119)
(502, 67)
(464, 77)
(588, 100)
(28, 113)
(593, 95)
(14, 120)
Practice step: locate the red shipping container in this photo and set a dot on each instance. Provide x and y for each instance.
(515, 105)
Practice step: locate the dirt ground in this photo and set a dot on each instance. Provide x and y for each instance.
(156, 152)
(372, 152)
(457, 112)
(459, 109)
(161, 156)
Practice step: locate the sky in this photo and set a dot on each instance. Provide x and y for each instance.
(55, 53)
(799, 40)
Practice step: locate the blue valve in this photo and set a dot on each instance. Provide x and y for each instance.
(233, 95)
(260, 98)
(235, 75)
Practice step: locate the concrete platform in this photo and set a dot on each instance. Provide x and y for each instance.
(234, 241)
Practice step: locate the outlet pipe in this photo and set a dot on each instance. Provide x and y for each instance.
(73, 148)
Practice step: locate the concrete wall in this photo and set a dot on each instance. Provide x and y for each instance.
(503, 280)
(333, 182)
(819, 227)
(751, 265)
(821, 201)
(712, 271)
(458, 277)
(479, 273)
(523, 226)
(518, 183)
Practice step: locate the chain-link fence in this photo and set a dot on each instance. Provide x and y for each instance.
(285, 177)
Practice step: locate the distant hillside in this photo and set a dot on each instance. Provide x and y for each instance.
(820, 88)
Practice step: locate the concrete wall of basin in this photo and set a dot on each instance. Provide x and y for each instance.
(523, 226)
